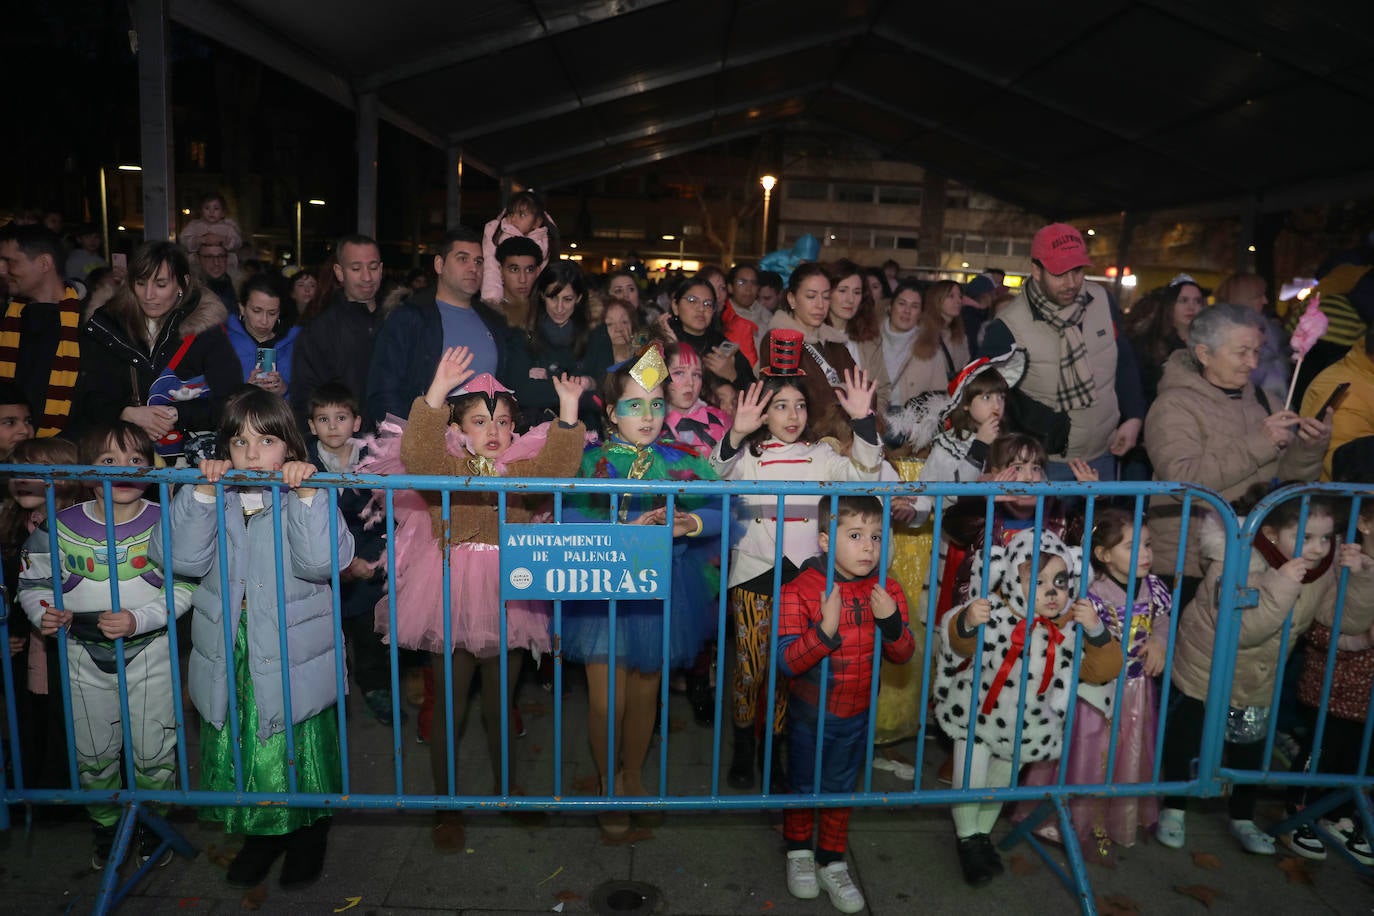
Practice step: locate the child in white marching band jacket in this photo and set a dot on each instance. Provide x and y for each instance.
(772, 440)
(1000, 621)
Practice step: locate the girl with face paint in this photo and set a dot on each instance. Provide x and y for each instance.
(635, 447)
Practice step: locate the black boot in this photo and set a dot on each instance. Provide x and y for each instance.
(975, 859)
(702, 698)
(254, 861)
(741, 775)
(305, 850)
(777, 769)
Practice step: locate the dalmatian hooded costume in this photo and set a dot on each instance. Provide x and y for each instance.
(1053, 642)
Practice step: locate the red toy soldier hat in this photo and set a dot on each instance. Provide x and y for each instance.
(784, 354)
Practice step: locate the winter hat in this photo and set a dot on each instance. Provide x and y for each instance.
(1011, 365)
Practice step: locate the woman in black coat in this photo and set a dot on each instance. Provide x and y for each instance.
(159, 328)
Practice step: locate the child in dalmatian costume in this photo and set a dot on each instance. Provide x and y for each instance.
(1001, 618)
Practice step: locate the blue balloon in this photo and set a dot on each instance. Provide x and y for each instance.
(783, 261)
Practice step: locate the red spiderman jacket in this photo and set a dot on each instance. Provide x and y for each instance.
(802, 644)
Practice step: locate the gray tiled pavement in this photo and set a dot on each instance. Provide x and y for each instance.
(701, 863)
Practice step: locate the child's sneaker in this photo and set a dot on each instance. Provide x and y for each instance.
(101, 844)
(378, 703)
(1305, 842)
(1252, 839)
(1352, 834)
(801, 874)
(1170, 831)
(148, 842)
(845, 896)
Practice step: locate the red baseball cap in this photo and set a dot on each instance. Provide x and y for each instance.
(1059, 247)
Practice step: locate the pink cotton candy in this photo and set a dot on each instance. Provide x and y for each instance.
(1311, 328)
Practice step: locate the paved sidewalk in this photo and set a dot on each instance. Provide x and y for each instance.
(704, 863)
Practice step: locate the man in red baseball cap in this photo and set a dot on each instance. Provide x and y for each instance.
(1081, 394)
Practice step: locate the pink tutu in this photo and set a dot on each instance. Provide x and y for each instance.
(474, 576)
(474, 595)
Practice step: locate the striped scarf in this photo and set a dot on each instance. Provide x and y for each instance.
(1076, 388)
(66, 361)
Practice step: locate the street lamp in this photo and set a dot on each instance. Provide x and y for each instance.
(314, 202)
(768, 182)
(105, 205)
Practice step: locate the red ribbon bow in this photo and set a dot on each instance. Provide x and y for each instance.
(1018, 642)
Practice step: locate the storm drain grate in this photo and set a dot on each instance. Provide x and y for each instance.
(624, 898)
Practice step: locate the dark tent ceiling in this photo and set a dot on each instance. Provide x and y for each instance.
(1065, 108)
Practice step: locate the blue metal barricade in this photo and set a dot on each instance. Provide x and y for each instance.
(561, 579)
(1304, 712)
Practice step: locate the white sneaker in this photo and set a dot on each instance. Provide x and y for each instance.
(845, 896)
(801, 874)
(1169, 831)
(1353, 836)
(1252, 839)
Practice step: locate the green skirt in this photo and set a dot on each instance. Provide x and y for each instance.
(264, 762)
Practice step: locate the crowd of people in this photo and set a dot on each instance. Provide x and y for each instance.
(507, 360)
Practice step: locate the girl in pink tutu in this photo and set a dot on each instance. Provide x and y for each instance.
(469, 434)
(1102, 822)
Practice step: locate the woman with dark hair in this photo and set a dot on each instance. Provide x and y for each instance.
(616, 339)
(825, 354)
(161, 327)
(1166, 328)
(301, 290)
(876, 285)
(555, 342)
(940, 348)
(262, 337)
(693, 321)
(853, 311)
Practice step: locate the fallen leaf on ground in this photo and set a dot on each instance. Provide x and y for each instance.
(1020, 865)
(254, 899)
(586, 785)
(1199, 892)
(676, 725)
(1295, 869)
(220, 855)
(1206, 860)
(567, 896)
(1117, 905)
(634, 835)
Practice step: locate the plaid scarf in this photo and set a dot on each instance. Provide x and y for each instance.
(57, 398)
(1075, 388)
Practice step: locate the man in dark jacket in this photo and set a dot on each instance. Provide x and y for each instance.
(450, 314)
(337, 345)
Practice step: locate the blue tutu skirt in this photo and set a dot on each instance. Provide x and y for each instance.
(639, 623)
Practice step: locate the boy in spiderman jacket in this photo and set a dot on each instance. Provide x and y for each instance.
(841, 626)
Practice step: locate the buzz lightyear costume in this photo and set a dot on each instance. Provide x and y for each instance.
(83, 574)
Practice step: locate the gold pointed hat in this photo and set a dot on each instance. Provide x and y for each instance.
(650, 371)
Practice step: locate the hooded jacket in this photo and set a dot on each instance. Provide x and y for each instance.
(1260, 640)
(1197, 433)
(117, 372)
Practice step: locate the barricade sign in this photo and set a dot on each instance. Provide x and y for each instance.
(578, 560)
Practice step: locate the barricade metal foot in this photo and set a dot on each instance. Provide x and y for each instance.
(1076, 879)
(112, 893)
